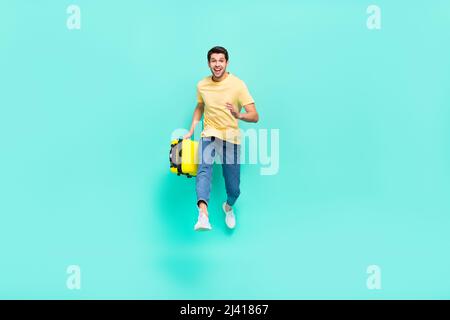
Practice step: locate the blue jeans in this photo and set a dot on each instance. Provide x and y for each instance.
(229, 156)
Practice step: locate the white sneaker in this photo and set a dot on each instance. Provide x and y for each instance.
(230, 220)
(202, 222)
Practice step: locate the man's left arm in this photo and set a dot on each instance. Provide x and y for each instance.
(250, 115)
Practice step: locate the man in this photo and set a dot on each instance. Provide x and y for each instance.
(220, 97)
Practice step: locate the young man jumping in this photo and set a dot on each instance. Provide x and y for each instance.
(220, 97)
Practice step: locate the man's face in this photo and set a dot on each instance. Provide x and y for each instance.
(218, 64)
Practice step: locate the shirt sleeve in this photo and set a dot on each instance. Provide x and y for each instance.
(244, 96)
(199, 96)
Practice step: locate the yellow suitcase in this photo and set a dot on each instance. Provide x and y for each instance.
(183, 157)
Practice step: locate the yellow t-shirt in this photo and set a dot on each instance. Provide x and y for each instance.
(218, 120)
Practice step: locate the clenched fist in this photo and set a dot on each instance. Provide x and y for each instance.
(234, 110)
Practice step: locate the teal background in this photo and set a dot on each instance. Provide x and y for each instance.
(85, 124)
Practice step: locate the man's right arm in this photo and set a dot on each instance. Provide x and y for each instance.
(198, 112)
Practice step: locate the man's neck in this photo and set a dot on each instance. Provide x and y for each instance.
(221, 78)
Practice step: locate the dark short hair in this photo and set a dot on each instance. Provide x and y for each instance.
(218, 50)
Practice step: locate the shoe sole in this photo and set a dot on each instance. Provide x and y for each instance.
(203, 229)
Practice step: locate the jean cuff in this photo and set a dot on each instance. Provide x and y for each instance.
(200, 199)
